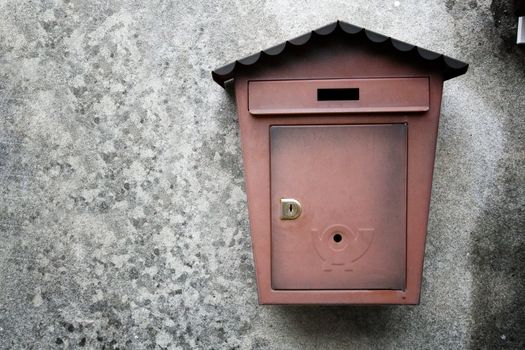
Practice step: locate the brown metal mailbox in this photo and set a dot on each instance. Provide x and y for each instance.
(338, 130)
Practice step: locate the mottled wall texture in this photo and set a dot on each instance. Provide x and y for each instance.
(123, 219)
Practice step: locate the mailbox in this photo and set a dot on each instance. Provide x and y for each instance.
(338, 130)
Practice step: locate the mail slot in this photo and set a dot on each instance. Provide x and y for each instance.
(338, 96)
(338, 131)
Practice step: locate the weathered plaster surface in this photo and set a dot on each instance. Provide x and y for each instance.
(122, 215)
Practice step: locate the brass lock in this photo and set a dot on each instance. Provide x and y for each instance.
(290, 209)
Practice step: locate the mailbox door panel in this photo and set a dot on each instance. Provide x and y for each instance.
(348, 184)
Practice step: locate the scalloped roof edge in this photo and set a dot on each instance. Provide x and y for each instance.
(451, 67)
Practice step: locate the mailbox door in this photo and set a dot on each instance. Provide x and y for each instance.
(349, 183)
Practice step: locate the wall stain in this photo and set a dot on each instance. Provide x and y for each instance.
(505, 22)
(498, 241)
(498, 257)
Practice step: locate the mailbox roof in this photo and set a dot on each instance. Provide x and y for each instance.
(450, 67)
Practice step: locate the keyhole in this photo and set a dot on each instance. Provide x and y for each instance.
(290, 209)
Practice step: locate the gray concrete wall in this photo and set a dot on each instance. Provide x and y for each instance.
(123, 218)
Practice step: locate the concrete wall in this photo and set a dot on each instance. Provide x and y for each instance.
(123, 218)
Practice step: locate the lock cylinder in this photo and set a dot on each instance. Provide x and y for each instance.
(290, 209)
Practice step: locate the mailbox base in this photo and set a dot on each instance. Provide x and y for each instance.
(338, 297)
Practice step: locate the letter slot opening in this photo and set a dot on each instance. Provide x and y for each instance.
(346, 94)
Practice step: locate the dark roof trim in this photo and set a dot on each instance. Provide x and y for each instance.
(451, 67)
